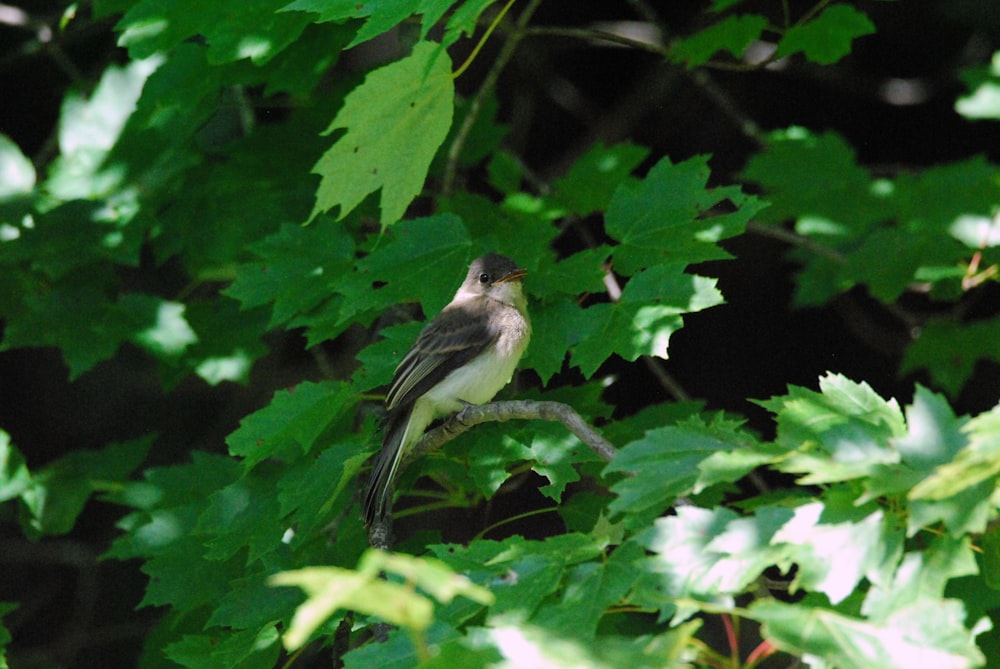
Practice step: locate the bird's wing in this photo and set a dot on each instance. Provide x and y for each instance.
(448, 342)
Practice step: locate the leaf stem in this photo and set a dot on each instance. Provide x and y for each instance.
(482, 40)
(506, 53)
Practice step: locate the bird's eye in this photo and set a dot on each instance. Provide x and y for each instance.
(484, 278)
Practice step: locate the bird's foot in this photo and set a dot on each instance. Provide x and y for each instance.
(460, 415)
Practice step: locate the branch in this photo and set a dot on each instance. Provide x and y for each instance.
(474, 414)
(380, 533)
(475, 106)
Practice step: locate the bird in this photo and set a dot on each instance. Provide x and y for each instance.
(465, 355)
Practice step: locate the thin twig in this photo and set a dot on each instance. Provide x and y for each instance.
(475, 106)
(796, 239)
(592, 34)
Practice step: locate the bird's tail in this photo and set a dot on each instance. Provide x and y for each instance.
(378, 494)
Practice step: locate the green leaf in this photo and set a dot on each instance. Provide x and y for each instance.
(521, 228)
(309, 491)
(556, 453)
(232, 29)
(814, 178)
(242, 515)
(17, 174)
(490, 460)
(519, 573)
(983, 100)
(251, 603)
(841, 433)
(89, 128)
(383, 15)
(229, 341)
(227, 649)
(730, 466)
(15, 479)
(665, 217)
(665, 464)
(592, 588)
(332, 588)
(959, 492)
(400, 651)
(379, 360)
(934, 435)
(921, 577)
(642, 320)
(990, 544)
(950, 350)
(826, 38)
(254, 187)
(924, 634)
(428, 272)
(733, 34)
(5, 637)
(833, 557)
(685, 573)
(293, 421)
(590, 183)
(297, 270)
(552, 329)
(723, 5)
(59, 490)
(463, 21)
(395, 122)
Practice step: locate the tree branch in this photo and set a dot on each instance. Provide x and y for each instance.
(474, 414)
(380, 532)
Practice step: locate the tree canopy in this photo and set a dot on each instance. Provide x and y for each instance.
(762, 242)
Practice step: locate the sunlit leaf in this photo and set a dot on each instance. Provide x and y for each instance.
(395, 122)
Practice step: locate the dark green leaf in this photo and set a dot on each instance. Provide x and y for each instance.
(665, 463)
(828, 37)
(293, 421)
(59, 490)
(667, 217)
(592, 180)
(950, 350)
(733, 34)
(232, 29)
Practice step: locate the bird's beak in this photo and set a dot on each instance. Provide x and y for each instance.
(516, 275)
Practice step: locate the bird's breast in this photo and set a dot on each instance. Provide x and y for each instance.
(482, 377)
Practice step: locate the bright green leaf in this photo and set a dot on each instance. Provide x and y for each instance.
(926, 634)
(642, 320)
(17, 174)
(983, 101)
(685, 571)
(395, 122)
(15, 478)
(833, 557)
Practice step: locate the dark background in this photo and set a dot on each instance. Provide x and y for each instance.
(558, 96)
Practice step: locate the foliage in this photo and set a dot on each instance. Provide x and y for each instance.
(881, 549)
